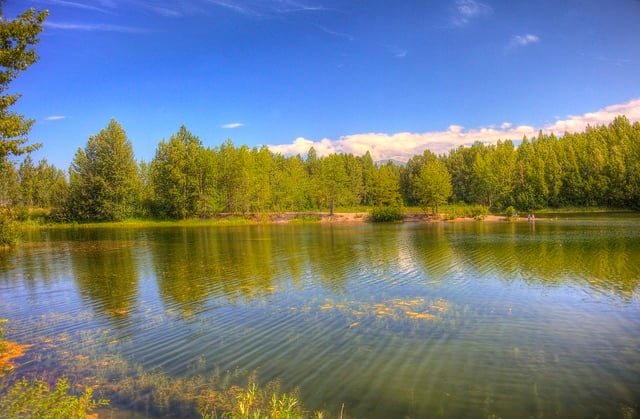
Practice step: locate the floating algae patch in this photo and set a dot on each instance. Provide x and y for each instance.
(8, 352)
(393, 309)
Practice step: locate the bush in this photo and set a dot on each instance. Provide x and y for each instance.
(386, 214)
(510, 212)
(34, 399)
(8, 232)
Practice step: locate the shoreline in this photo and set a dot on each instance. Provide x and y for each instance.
(364, 217)
(280, 218)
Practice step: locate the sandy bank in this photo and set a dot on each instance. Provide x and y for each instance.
(363, 217)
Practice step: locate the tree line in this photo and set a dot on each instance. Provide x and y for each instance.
(185, 178)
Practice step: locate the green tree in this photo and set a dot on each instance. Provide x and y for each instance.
(386, 186)
(494, 174)
(9, 185)
(460, 164)
(104, 178)
(38, 183)
(333, 181)
(17, 39)
(177, 175)
(355, 185)
(261, 180)
(433, 185)
(369, 174)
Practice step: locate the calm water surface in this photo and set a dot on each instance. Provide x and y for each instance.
(408, 320)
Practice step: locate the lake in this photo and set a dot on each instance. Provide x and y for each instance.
(464, 320)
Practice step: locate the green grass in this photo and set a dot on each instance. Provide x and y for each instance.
(580, 210)
(141, 223)
(35, 399)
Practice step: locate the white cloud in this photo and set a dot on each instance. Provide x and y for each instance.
(77, 5)
(55, 118)
(92, 27)
(265, 8)
(404, 145)
(523, 40)
(466, 10)
(233, 125)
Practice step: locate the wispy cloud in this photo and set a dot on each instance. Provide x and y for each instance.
(403, 145)
(397, 51)
(467, 10)
(334, 33)
(233, 125)
(523, 40)
(92, 27)
(55, 118)
(79, 5)
(266, 8)
(231, 5)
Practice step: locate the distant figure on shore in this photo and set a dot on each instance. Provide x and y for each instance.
(531, 217)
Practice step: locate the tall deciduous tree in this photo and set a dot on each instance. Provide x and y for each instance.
(433, 185)
(386, 186)
(104, 178)
(333, 181)
(177, 175)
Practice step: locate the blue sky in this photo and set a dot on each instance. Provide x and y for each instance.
(393, 77)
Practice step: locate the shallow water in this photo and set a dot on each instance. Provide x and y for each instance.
(403, 320)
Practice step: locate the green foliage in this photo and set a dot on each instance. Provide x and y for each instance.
(510, 211)
(260, 403)
(40, 185)
(386, 214)
(185, 180)
(432, 185)
(8, 232)
(458, 210)
(104, 182)
(333, 182)
(17, 38)
(34, 399)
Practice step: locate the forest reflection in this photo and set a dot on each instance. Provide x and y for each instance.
(242, 265)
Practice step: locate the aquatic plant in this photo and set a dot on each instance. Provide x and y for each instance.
(259, 402)
(394, 309)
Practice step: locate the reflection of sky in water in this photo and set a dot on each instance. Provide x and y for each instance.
(356, 314)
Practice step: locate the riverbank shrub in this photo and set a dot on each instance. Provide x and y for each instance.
(462, 210)
(34, 399)
(8, 232)
(386, 214)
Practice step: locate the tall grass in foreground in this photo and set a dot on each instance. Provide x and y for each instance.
(35, 399)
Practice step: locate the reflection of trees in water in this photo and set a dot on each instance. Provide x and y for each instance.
(193, 264)
(331, 255)
(604, 258)
(105, 269)
(432, 250)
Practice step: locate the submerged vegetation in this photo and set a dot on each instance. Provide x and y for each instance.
(112, 378)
